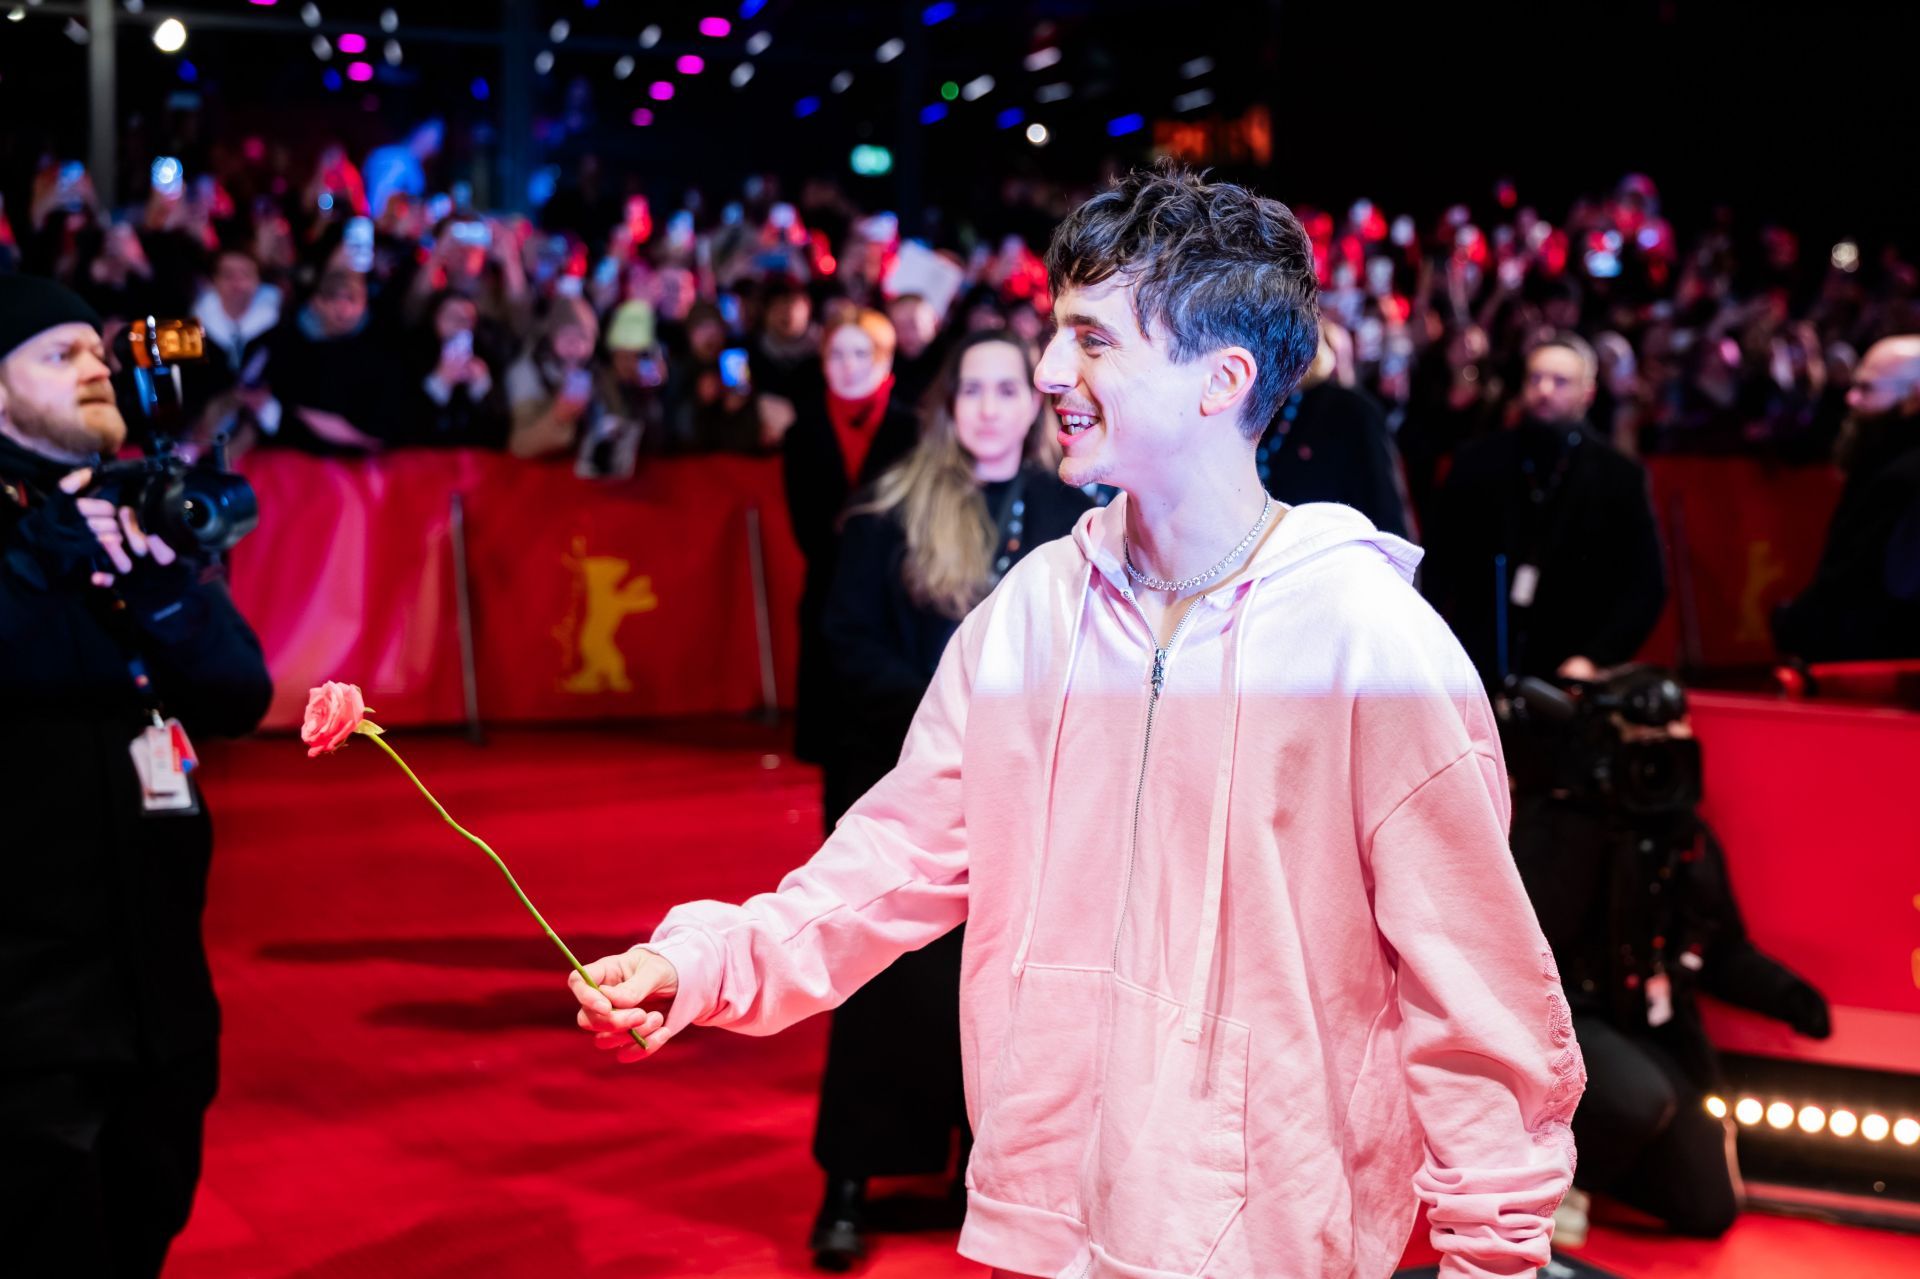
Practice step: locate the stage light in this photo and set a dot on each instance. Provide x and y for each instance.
(748, 8)
(480, 89)
(322, 48)
(890, 50)
(559, 31)
(392, 53)
(310, 14)
(977, 88)
(661, 90)
(543, 61)
(933, 113)
(389, 21)
(1121, 125)
(133, 6)
(1717, 1107)
(871, 161)
(1842, 1123)
(1193, 101)
(1748, 1111)
(351, 43)
(188, 71)
(264, 4)
(1009, 118)
(650, 35)
(1812, 1119)
(950, 91)
(76, 31)
(1194, 68)
(16, 14)
(1059, 91)
(935, 14)
(1780, 1115)
(331, 79)
(170, 36)
(742, 74)
(841, 82)
(1875, 1127)
(690, 64)
(717, 28)
(1041, 59)
(359, 72)
(622, 67)
(1846, 256)
(806, 107)
(642, 117)
(1907, 1132)
(1037, 134)
(759, 42)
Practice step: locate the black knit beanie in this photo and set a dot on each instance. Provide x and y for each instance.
(32, 304)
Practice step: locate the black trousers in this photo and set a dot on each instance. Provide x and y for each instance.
(98, 1166)
(1645, 1136)
(892, 1096)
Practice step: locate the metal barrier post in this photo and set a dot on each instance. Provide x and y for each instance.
(762, 618)
(463, 614)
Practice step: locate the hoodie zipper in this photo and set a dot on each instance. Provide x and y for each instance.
(1157, 678)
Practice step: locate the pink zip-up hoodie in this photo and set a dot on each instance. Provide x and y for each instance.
(1248, 966)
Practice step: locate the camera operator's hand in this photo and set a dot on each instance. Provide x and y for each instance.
(1805, 1009)
(1580, 668)
(117, 531)
(626, 982)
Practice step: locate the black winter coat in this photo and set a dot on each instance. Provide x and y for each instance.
(101, 960)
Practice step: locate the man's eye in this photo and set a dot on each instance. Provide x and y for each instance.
(1090, 343)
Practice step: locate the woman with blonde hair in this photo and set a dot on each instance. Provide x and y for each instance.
(919, 549)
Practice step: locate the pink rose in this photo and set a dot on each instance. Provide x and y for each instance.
(334, 712)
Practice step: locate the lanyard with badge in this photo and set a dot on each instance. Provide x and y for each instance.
(163, 758)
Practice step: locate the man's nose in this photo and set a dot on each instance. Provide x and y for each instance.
(1053, 374)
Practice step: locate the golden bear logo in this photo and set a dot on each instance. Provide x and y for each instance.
(604, 595)
(1764, 571)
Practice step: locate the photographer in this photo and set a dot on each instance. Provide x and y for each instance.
(113, 652)
(1632, 892)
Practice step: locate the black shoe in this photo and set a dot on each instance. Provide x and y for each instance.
(838, 1232)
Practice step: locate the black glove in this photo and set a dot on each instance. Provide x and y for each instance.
(56, 548)
(1805, 1009)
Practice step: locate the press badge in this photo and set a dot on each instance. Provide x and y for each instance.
(1659, 999)
(1526, 580)
(162, 759)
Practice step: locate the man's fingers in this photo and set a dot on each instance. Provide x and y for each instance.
(162, 553)
(130, 527)
(74, 481)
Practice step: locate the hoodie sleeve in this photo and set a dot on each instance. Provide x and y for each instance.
(891, 878)
(1491, 1064)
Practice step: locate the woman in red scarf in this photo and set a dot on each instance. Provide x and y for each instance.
(838, 443)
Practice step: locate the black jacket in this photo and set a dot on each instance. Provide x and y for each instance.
(100, 953)
(1864, 601)
(885, 644)
(1332, 444)
(1565, 502)
(817, 491)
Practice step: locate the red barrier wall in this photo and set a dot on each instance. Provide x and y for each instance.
(590, 599)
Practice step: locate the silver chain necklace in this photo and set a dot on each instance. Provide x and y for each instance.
(1198, 579)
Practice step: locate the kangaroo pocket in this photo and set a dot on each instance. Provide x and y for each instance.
(1170, 1173)
(1037, 1109)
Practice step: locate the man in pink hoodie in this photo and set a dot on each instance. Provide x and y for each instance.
(1248, 967)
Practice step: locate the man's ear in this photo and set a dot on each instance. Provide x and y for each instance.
(1230, 379)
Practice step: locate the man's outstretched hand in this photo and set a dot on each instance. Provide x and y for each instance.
(628, 982)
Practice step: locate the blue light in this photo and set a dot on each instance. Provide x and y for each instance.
(479, 89)
(591, 4)
(189, 72)
(750, 8)
(331, 79)
(934, 14)
(933, 114)
(1009, 118)
(1121, 126)
(806, 107)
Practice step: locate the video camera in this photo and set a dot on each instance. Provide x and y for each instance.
(1620, 742)
(200, 509)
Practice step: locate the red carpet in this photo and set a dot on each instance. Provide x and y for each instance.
(405, 1094)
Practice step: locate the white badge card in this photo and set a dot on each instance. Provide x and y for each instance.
(1659, 1000)
(1526, 580)
(161, 760)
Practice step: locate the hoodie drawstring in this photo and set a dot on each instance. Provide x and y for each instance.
(1210, 901)
(1053, 756)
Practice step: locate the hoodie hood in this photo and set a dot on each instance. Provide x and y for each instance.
(1305, 531)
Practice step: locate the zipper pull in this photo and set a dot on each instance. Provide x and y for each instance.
(1159, 670)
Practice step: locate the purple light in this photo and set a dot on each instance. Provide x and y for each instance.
(690, 64)
(350, 43)
(360, 72)
(265, 4)
(642, 118)
(718, 28)
(660, 90)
